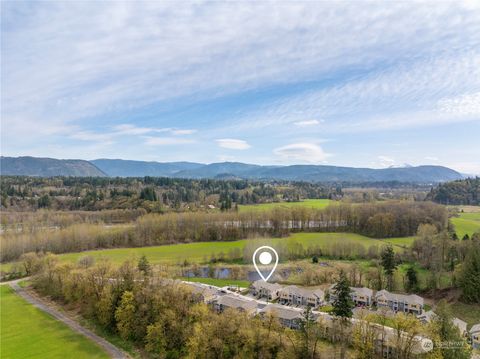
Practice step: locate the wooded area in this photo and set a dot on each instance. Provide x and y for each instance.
(378, 220)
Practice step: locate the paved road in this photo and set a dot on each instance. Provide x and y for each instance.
(112, 350)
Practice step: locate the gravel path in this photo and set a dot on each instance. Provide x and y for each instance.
(112, 350)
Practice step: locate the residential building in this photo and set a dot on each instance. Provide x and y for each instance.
(262, 289)
(461, 325)
(294, 295)
(361, 296)
(235, 302)
(411, 303)
(426, 317)
(288, 317)
(205, 292)
(475, 336)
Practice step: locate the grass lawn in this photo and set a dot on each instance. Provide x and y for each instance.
(466, 223)
(219, 282)
(470, 313)
(423, 274)
(308, 203)
(27, 332)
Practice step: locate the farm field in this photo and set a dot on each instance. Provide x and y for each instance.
(308, 203)
(28, 332)
(466, 223)
(202, 251)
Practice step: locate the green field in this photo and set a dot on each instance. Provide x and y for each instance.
(466, 223)
(27, 332)
(219, 282)
(201, 252)
(308, 203)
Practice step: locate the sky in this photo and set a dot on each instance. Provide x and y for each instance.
(363, 84)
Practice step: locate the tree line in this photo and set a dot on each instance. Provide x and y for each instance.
(154, 194)
(460, 192)
(381, 220)
(166, 319)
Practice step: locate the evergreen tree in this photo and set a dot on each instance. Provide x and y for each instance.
(412, 280)
(447, 332)
(469, 279)
(389, 265)
(466, 237)
(144, 265)
(343, 304)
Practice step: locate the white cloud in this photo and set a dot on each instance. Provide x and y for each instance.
(386, 161)
(135, 54)
(166, 141)
(233, 144)
(301, 152)
(422, 93)
(183, 132)
(431, 158)
(129, 129)
(307, 123)
(466, 104)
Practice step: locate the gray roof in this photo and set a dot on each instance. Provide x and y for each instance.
(410, 298)
(260, 284)
(475, 328)
(283, 312)
(233, 301)
(362, 290)
(303, 292)
(357, 290)
(204, 290)
(460, 324)
(428, 316)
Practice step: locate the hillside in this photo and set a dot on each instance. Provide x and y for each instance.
(420, 174)
(461, 192)
(48, 167)
(126, 168)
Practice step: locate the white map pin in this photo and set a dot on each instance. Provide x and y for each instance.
(265, 258)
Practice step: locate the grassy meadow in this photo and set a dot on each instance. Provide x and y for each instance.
(27, 332)
(200, 252)
(308, 203)
(466, 223)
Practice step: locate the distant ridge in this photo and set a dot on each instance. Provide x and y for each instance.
(127, 168)
(48, 167)
(31, 166)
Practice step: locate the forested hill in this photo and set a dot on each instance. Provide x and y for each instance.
(465, 192)
(50, 167)
(126, 168)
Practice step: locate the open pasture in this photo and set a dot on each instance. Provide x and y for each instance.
(466, 223)
(308, 203)
(27, 332)
(201, 252)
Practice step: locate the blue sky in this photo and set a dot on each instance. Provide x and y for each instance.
(365, 84)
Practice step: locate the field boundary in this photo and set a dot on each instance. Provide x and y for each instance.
(111, 349)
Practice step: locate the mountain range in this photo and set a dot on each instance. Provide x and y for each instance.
(47, 167)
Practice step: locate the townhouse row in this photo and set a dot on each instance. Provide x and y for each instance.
(292, 318)
(361, 296)
(473, 334)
